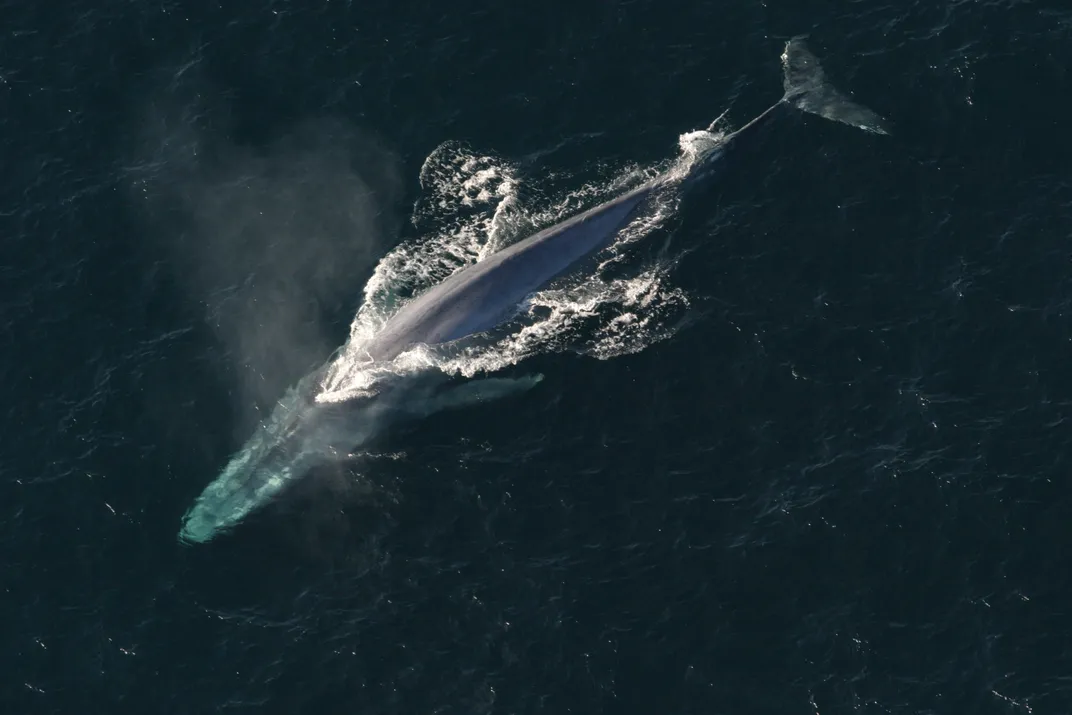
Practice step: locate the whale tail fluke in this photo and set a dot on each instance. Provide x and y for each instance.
(807, 89)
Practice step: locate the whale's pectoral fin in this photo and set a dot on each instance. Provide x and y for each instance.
(476, 392)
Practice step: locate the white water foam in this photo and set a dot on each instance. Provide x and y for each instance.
(473, 203)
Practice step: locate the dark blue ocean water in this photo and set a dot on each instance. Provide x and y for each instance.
(839, 484)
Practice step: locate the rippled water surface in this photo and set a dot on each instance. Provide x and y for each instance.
(801, 441)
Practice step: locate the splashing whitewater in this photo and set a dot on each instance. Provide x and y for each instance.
(471, 207)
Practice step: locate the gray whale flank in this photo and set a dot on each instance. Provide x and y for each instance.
(478, 297)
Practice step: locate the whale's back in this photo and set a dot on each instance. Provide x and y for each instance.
(480, 296)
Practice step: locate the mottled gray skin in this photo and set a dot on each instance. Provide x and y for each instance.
(480, 296)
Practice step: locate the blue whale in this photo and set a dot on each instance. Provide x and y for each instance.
(303, 433)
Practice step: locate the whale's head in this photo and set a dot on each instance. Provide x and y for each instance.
(300, 434)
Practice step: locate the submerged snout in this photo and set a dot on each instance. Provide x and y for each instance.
(296, 439)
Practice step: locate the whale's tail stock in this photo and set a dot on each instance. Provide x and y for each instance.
(807, 89)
